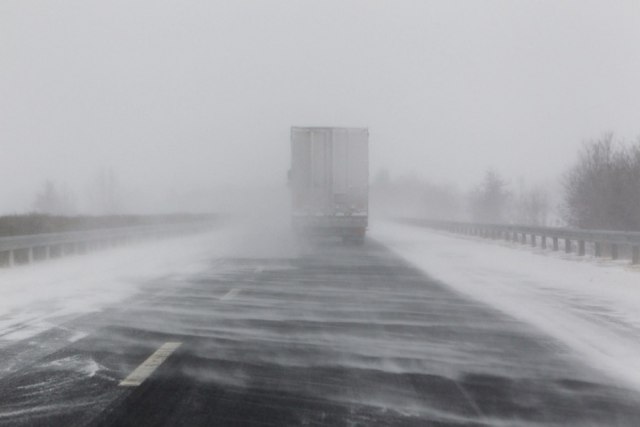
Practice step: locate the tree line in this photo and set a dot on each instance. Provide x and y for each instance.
(103, 197)
(20, 225)
(601, 190)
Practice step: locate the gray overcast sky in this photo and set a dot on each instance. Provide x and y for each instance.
(183, 94)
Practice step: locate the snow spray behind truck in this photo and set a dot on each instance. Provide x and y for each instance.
(329, 181)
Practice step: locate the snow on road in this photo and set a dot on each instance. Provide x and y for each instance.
(41, 296)
(593, 307)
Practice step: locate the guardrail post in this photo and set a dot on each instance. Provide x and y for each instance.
(581, 248)
(605, 243)
(27, 249)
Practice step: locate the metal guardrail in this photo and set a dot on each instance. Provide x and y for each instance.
(612, 241)
(29, 248)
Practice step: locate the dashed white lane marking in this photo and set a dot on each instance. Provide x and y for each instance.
(230, 295)
(147, 367)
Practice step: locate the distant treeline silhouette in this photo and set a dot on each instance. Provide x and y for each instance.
(600, 191)
(17, 225)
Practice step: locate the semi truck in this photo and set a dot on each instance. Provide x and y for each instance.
(329, 181)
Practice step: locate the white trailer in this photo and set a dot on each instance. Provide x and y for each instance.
(329, 181)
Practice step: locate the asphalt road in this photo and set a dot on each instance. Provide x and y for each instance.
(334, 335)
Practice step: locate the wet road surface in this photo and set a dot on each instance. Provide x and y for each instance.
(334, 335)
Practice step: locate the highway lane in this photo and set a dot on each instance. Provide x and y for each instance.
(329, 335)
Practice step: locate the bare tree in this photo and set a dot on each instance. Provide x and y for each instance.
(602, 190)
(531, 206)
(489, 200)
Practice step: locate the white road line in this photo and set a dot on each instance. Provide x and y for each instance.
(147, 367)
(230, 295)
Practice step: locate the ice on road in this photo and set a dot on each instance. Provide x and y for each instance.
(591, 306)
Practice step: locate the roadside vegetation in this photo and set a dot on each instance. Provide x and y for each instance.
(601, 190)
(17, 225)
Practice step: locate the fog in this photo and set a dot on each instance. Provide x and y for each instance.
(320, 212)
(189, 104)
